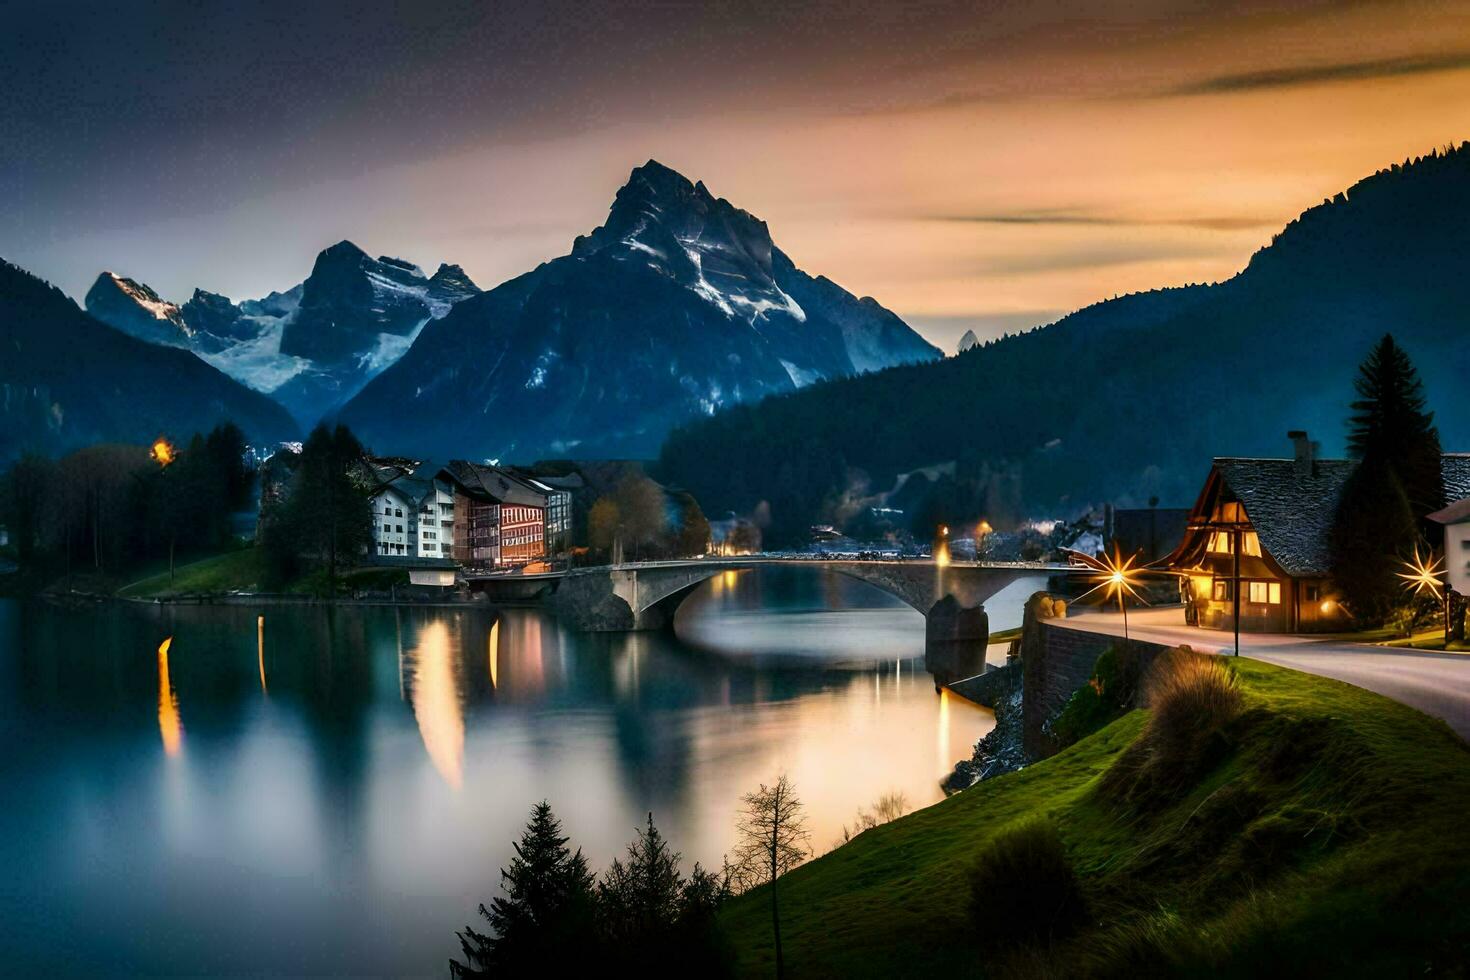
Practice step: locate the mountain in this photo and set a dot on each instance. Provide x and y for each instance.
(678, 305)
(1130, 398)
(68, 380)
(310, 347)
(137, 310)
(968, 341)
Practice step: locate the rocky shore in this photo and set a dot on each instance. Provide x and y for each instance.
(999, 752)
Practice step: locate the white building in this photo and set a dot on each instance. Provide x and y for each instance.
(413, 514)
(1456, 521)
(394, 523)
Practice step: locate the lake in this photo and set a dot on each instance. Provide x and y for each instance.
(296, 789)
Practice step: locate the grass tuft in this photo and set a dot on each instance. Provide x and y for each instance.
(1023, 890)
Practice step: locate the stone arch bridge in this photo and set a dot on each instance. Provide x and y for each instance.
(646, 595)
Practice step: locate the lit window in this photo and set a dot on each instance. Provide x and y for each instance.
(1220, 542)
(1266, 592)
(1222, 590)
(1251, 544)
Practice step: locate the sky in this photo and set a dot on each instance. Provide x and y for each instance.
(970, 165)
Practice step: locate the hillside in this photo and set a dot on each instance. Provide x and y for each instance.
(69, 380)
(1319, 834)
(678, 305)
(1130, 398)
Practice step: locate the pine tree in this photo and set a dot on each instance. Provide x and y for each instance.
(638, 902)
(1391, 426)
(545, 921)
(1398, 480)
(1372, 531)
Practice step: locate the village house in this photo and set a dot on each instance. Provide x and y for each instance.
(1257, 541)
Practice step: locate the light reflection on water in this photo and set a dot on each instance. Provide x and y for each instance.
(353, 778)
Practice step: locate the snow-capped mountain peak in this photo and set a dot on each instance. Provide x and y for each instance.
(134, 308)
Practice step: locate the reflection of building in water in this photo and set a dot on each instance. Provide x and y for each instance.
(260, 650)
(437, 706)
(169, 725)
(494, 654)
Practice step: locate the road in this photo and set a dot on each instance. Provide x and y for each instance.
(1436, 683)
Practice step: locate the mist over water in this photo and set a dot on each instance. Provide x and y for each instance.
(299, 789)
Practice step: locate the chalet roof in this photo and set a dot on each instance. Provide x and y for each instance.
(1293, 514)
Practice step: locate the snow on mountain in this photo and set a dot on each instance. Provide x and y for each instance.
(678, 305)
(968, 341)
(310, 347)
(137, 310)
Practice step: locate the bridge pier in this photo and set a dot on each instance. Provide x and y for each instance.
(955, 640)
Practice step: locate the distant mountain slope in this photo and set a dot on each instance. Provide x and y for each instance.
(69, 380)
(1130, 398)
(311, 347)
(680, 304)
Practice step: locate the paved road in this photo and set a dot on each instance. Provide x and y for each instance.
(1436, 683)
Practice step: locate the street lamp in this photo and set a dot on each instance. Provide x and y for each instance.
(1115, 576)
(1422, 575)
(163, 453)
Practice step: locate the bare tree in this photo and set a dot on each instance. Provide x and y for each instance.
(773, 839)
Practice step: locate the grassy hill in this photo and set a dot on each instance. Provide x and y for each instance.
(1320, 831)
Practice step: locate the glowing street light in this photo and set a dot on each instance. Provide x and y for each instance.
(1422, 575)
(163, 453)
(1115, 577)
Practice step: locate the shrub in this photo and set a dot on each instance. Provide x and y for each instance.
(1023, 890)
(1190, 695)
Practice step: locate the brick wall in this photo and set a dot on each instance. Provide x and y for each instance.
(1055, 662)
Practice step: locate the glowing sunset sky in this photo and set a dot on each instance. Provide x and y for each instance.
(986, 165)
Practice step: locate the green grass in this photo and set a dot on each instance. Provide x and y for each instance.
(1327, 837)
(217, 574)
(243, 571)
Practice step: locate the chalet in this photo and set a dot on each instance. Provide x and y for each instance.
(1259, 532)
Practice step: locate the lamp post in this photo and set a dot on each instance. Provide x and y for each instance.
(1115, 576)
(162, 452)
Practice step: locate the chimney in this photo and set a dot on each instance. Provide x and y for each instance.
(1304, 454)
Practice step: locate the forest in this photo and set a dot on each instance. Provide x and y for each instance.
(1129, 399)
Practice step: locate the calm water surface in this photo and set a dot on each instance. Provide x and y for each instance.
(302, 790)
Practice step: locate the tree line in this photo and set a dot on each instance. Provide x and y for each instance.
(1128, 399)
(111, 507)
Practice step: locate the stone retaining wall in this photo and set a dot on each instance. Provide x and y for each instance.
(1055, 662)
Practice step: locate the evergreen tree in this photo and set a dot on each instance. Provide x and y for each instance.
(638, 902)
(1398, 480)
(1392, 427)
(1372, 531)
(327, 511)
(545, 922)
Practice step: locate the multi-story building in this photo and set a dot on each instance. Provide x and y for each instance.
(504, 518)
(413, 511)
